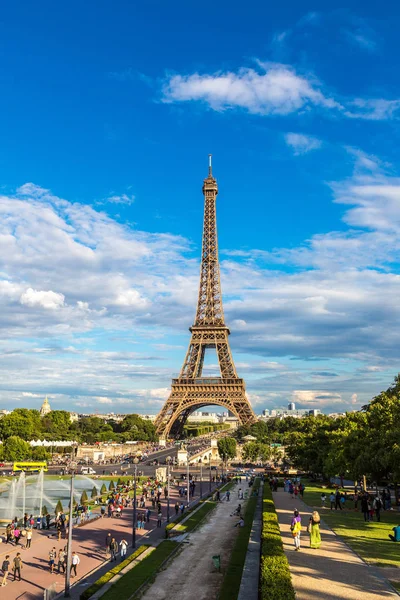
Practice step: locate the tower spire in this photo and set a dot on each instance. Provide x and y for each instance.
(210, 165)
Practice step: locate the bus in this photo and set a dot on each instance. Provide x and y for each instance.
(30, 467)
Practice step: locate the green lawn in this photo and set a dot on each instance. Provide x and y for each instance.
(369, 540)
(196, 517)
(138, 575)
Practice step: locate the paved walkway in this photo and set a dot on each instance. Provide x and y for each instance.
(333, 572)
(88, 541)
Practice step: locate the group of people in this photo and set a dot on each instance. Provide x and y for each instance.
(312, 529)
(112, 547)
(293, 487)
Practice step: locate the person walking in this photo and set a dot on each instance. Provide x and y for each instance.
(8, 533)
(29, 534)
(5, 567)
(364, 507)
(313, 530)
(48, 517)
(228, 496)
(17, 535)
(17, 566)
(52, 559)
(295, 528)
(159, 519)
(332, 500)
(177, 508)
(323, 499)
(124, 546)
(108, 542)
(377, 505)
(337, 500)
(74, 563)
(113, 549)
(61, 560)
(148, 513)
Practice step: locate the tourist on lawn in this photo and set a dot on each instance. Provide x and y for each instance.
(124, 546)
(61, 560)
(113, 549)
(313, 530)
(323, 499)
(28, 538)
(74, 563)
(332, 500)
(396, 536)
(337, 500)
(295, 528)
(52, 559)
(365, 507)
(17, 566)
(5, 567)
(343, 501)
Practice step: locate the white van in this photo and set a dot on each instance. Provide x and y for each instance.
(88, 471)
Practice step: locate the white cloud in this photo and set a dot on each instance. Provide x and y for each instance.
(273, 89)
(121, 199)
(301, 143)
(45, 299)
(276, 89)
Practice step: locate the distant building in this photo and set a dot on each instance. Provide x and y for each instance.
(4, 412)
(203, 417)
(73, 417)
(282, 413)
(291, 406)
(45, 408)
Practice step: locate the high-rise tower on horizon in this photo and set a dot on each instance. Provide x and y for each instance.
(190, 391)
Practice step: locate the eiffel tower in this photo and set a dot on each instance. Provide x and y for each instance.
(191, 391)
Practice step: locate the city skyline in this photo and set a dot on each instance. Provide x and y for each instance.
(105, 137)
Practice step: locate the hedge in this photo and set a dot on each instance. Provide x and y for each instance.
(233, 574)
(110, 574)
(130, 583)
(275, 579)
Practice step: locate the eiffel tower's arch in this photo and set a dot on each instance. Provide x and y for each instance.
(191, 390)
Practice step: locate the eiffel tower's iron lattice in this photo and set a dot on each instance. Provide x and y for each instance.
(191, 390)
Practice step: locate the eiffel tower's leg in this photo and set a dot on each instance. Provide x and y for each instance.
(226, 364)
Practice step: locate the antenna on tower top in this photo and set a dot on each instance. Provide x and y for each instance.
(209, 165)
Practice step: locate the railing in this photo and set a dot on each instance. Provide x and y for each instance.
(207, 381)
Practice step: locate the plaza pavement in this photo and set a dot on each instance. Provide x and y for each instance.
(333, 572)
(89, 543)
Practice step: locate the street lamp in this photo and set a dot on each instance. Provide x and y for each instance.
(135, 462)
(209, 462)
(201, 480)
(69, 543)
(168, 465)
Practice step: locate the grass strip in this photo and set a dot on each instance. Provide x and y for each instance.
(233, 575)
(110, 574)
(196, 517)
(275, 579)
(129, 583)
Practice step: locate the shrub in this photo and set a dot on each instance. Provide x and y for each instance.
(275, 580)
(91, 590)
(103, 489)
(111, 486)
(44, 510)
(59, 507)
(95, 492)
(84, 497)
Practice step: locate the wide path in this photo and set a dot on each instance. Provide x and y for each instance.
(192, 573)
(88, 541)
(333, 572)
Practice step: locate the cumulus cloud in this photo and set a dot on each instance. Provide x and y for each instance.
(121, 199)
(45, 299)
(272, 89)
(301, 143)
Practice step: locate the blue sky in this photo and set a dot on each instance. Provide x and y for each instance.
(107, 114)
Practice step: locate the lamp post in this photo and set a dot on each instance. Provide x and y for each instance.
(168, 465)
(69, 543)
(135, 462)
(187, 479)
(209, 464)
(201, 480)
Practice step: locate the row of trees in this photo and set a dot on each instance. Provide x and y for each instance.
(360, 443)
(28, 425)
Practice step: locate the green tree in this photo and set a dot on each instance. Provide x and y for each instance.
(40, 453)
(103, 489)
(22, 423)
(227, 448)
(84, 497)
(59, 507)
(111, 487)
(95, 492)
(57, 425)
(44, 511)
(16, 448)
(250, 452)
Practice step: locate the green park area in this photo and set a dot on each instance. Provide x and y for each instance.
(368, 539)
